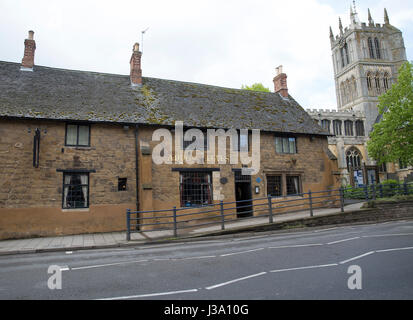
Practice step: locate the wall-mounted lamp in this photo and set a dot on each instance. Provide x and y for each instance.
(257, 189)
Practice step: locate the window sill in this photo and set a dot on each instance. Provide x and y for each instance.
(76, 210)
(80, 148)
(197, 206)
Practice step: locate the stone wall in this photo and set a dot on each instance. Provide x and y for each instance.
(31, 198)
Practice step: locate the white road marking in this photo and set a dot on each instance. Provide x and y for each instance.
(389, 235)
(241, 252)
(344, 240)
(308, 267)
(64, 268)
(297, 246)
(395, 249)
(69, 252)
(150, 295)
(358, 257)
(235, 280)
(107, 265)
(325, 230)
(194, 258)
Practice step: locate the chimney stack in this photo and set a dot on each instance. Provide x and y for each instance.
(29, 49)
(135, 66)
(280, 82)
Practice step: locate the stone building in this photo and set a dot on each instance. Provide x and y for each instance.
(366, 59)
(76, 147)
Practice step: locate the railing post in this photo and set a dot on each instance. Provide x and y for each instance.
(341, 191)
(175, 225)
(127, 224)
(221, 204)
(381, 190)
(311, 203)
(366, 191)
(406, 192)
(373, 189)
(270, 209)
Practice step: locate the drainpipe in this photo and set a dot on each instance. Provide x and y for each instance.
(137, 173)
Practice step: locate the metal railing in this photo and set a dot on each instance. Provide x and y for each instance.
(219, 213)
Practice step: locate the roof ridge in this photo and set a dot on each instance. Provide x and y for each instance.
(68, 70)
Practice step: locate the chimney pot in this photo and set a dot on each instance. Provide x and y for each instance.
(280, 82)
(135, 66)
(29, 49)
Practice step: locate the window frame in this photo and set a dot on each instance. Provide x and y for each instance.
(122, 181)
(337, 124)
(209, 184)
(81, 185)
(282, 144)
(351, 128)
(77, 124)
(280, 176)
(323, 124)
(299, 191)
(360, 132)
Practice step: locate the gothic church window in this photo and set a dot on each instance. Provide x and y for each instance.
(377, 45)
(359, 128)
(386, 81)
(353, 158)
(369, 84)
(353, 88)
(326, 125)
(371, 49)
(348, 128)
(337, 127)
(377, 81)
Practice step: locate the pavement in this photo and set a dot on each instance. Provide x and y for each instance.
(118, 239)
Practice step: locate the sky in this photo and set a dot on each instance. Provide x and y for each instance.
(227, 43)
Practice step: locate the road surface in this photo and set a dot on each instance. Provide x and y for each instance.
(373, 261)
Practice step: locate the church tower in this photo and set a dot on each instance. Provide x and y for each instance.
(366, 60)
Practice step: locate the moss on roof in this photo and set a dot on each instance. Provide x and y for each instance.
(50, 93)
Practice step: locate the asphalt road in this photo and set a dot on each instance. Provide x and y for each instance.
(311, 264)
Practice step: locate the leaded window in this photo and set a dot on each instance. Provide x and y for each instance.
(353, 158)
(274, 185)
(195, 188)
(75, 190)
(293, 185)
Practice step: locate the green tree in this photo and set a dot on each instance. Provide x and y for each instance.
(392, 138)
(256, 87)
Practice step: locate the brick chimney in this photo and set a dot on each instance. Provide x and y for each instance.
(135, 66)
(280, 82)
(29, 49)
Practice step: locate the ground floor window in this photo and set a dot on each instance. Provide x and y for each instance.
(293, 185)
(75, 190)
(283, 184)
(195, 188)
(274, 185)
